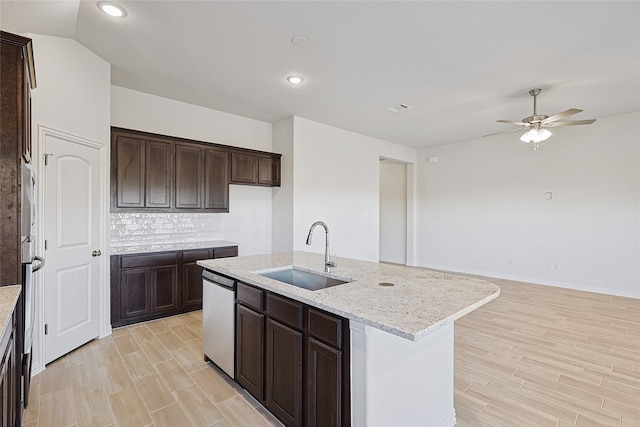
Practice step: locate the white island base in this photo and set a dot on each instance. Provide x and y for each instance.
(397, 382)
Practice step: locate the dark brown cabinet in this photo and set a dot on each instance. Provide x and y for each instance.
(293, 358)
(216, 179)
(153, 285)
(159, 170)
(202, 179)
(284, 347)
(250, 350)
(140, 171)
(251, 168)
(157, 173)
(9, 377)
(188, 176)
(269, 171)
(244, 168)
(327, 370)
(17, 78)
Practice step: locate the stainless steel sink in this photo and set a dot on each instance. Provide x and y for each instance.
(303, 279)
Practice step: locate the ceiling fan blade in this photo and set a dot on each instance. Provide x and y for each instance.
(570, 123)
(513, 123)
(507, 131)
(556, 117)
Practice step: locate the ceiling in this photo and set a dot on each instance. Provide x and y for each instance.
(459, 65)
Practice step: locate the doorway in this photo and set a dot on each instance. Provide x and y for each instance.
(394, 219)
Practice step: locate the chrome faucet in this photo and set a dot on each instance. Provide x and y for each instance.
(327, 262)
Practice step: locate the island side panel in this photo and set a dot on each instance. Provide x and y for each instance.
(399, 382)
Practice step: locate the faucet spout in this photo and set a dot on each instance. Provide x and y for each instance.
(327, 262)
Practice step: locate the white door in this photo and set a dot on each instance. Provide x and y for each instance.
(72, 232)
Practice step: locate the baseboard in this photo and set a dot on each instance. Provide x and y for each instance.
(535, 281)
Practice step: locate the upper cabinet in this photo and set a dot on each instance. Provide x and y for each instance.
(251, 168)
(156, 173)
(141, 172)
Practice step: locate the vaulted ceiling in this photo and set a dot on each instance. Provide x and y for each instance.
(459, 65)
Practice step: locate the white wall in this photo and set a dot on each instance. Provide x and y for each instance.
(249, 219)
(336, 180)
(72, 96)
(282, 222)
(482, 207)
(393, 212)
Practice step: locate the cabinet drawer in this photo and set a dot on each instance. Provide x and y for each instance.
(195, 255)
(149, 260)
(227, 252)
(285, 310)
(326, 327)
(250, 296)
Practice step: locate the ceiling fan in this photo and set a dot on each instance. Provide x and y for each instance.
(537, 124)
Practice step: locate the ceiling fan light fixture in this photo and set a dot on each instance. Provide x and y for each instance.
(535, 135)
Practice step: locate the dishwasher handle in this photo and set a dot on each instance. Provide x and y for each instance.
(225, 282)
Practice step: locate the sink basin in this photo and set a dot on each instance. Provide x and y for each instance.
(303, 279)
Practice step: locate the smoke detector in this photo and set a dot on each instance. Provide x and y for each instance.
(398, 108)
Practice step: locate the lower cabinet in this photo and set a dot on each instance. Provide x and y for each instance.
(9, 377)
(152, 285)
(250, 351)
(284, 372)
(303, 379)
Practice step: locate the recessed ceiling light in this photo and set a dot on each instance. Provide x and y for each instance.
(295, 80)
(112, 9)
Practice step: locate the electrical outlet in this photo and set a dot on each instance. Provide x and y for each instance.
(552, 266)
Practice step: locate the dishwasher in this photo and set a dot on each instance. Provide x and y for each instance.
(218, 320)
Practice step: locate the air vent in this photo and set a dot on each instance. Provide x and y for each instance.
(398, 108)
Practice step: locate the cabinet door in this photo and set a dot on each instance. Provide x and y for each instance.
(188, 167)
(9, 381)
(159, 161)
(135, 292)
(284, 373)
(269, 171)
(244, 168)
(324, 384)
(250, 351)
(164, 288)
(192, 277)
(216, 180)
(129, 171)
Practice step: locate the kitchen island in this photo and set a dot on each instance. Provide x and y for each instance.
(400, 324)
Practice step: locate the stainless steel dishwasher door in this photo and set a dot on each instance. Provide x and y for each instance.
(218, 320)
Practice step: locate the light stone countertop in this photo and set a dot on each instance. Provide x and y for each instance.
(421, 302)
(146, 247)
(8, 299)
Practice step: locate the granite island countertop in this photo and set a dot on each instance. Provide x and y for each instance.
(420, 302)
(163, 247)
(8, 300)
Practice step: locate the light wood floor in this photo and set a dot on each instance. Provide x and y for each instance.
(543, 356)
(536, 356)
(150, 374)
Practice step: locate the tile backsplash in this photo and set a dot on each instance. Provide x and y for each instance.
(160, 228)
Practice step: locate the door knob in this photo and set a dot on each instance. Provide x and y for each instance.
(96, 253)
